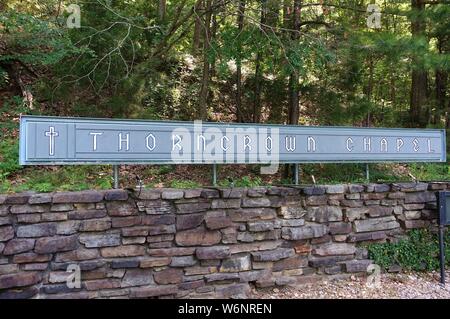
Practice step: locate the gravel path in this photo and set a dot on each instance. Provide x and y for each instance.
(397, 286)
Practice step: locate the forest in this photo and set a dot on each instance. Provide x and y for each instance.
(363, 63)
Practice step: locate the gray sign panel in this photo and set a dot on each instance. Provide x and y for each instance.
(58, 140)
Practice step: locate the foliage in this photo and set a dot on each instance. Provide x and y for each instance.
(244, 181)
(175, 183)
(419, 251)
(9, 154)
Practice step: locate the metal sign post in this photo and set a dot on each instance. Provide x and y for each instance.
(116, 176)
(443, 201)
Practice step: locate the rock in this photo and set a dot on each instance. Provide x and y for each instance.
(154, 262)
(259, 226)
(335, 189)
(175, 251)
(17, 245)
(189, 221)
(126, 263)
(183, 261)
(327, 261)
(291, 212)
(172, 194)
(235, 192)
(106, 240)
(90, 196)
(87, 213)
(40, 199)
(116, 194)
(149, 194)
(244, 215)
(167, 219)
(295, 262)
(357, 265)
(17, 199)
(95, 224)
(316, 200)
(226, 203)
(191, 206)
(410, 187)
(378, 211)
(223, 276)
(26, 293)
(340, 228)
(37, 230)
(381, 188)
(120, 208)
(352, 214)
(61, 207)
(161, 229)
(352, 203)
(123, 251)
(410, 224)
(256, 202)
(324, 214)
(210, 193)
(27, 209)
(332, 249)
(101, 284)
(236, 263)
(147, 292)
(354, 188)
(119, 222)
(77, 255)
(30, 258)
(413, 206)
(372, 236)
(5, 221)
(273, 255)
(198, 237)
(292, 222)
(54, 244)
(19, 280)
(168, 276)
(375, 224)
(137, 277)
(217, 220)
(258, 236)
(212, 252)
(314, 190)
(53, 217)
(6, 233)
(304, 232)
(412, 214)
(353, 196)
(192, 193)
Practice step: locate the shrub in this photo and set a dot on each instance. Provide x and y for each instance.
(419, 251)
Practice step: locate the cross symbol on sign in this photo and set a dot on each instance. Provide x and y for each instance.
(52, 134)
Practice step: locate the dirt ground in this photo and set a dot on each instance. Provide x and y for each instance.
(391, 286)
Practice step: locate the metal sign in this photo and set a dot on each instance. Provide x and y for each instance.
(60, 140)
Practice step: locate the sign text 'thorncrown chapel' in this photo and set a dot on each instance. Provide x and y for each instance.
(57, 140)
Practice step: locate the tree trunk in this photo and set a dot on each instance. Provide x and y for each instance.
(294, 88)
(441, 82)
(240, 24)
(419, 76)
(162, 10)
(197, 28)
(203, 110)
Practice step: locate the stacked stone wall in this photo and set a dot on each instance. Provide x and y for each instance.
(201, 243)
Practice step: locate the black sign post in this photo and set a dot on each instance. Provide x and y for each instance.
(444, 220)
